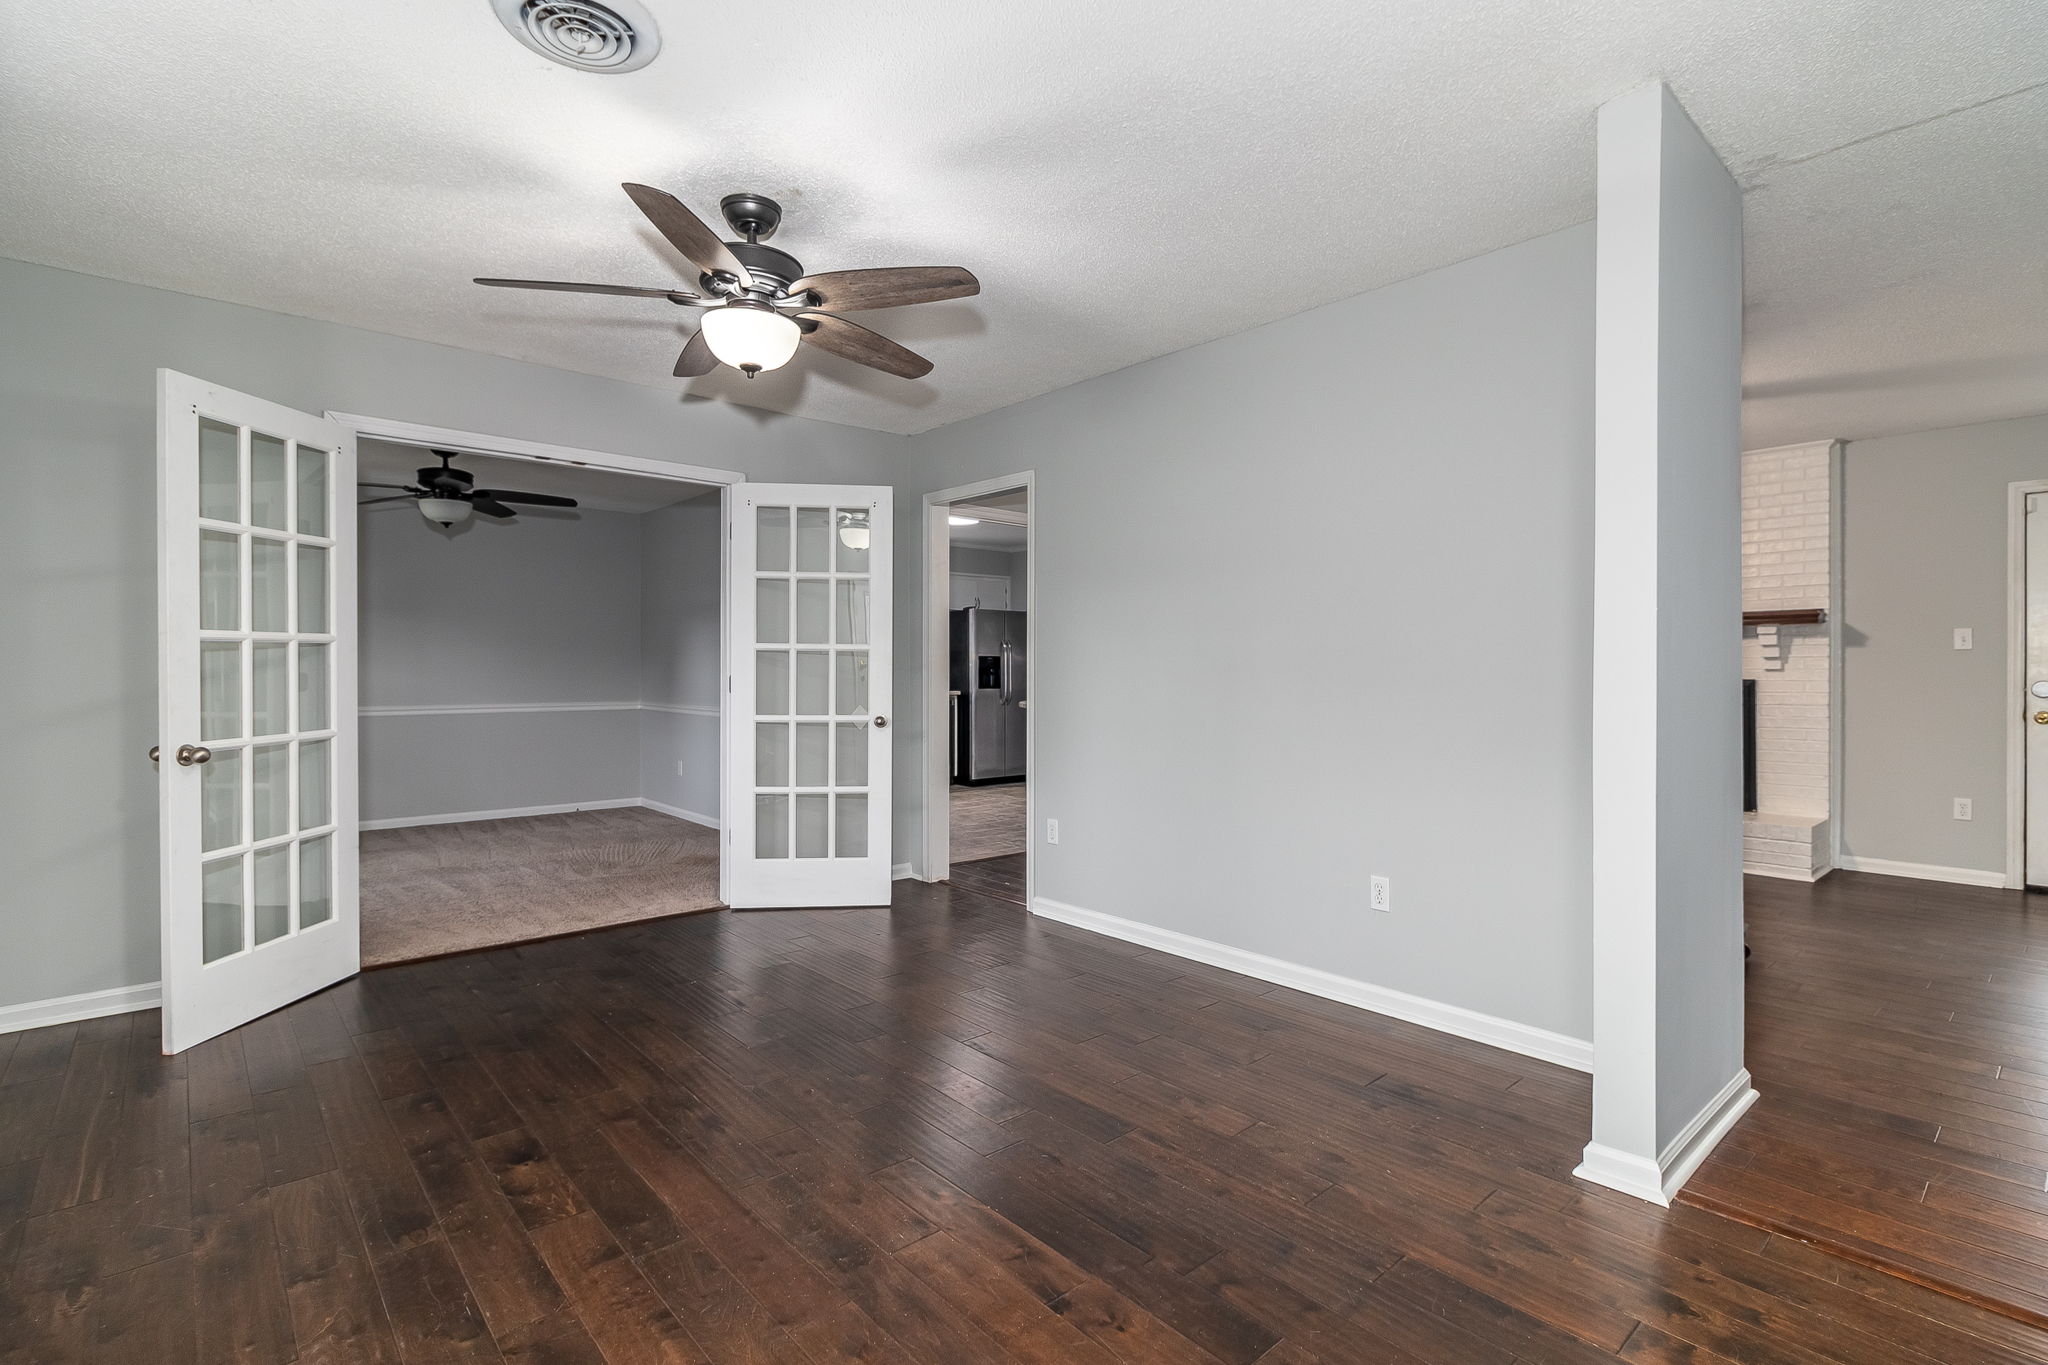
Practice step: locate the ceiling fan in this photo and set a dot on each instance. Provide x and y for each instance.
(449, 495)
(758, 301)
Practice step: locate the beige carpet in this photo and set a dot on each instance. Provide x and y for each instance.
(435, 889)
(988, 822)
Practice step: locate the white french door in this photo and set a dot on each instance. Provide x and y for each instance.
(2034, 703)
(807, 809)
(256, 565)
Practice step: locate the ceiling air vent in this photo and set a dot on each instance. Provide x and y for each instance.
(614, 36)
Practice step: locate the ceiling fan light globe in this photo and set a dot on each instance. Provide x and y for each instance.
(751, 337)
(445, 511)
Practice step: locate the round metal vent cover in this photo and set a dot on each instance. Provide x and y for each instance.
(610, 36)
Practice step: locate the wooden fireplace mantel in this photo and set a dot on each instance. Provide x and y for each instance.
(1803, 616)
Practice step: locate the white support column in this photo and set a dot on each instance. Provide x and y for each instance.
(1668, 1078)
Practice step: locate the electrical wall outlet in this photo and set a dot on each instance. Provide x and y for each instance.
(1052, 831)
(1382, 893)
(1963, 808)
(1963, 638)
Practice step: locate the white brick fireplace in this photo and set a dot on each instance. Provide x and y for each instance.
(1791, 562)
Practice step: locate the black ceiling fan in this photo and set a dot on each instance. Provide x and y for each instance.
(758, 301)
(448, 495)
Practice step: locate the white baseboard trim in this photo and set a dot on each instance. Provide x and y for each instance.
(535, 707)
(497, 708)
(65, 1009)
(1542, 1044)
(901, 873)
(708, 821)
(511, 813)
(1926, 872)
(1790, 874)
(1657, 1181)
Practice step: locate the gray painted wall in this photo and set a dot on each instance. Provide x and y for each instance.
(1924, 551)
(1319, 454)
(1385, 645)
(545, 610)
(1698, 767)
(414, 767)
(679, 665)
(78, 356)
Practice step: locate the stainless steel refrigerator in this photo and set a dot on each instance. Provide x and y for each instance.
(988, 691)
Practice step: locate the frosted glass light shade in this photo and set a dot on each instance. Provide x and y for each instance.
(445, 511)
(854, 531)
(751, 339)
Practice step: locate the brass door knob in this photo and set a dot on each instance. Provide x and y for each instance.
(2041, 718)
(189, 754)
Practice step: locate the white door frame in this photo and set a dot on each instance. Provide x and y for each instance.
(2016, 495)
(937, 864)
(482, 443)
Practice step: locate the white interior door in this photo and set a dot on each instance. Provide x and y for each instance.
(2035, 702)
(807, 811)
(256, 562)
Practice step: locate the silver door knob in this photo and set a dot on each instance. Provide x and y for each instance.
(881, 722)
(154, 753)
(189, 754)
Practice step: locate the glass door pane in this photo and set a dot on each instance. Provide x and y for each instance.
(255, 549)
(811, 592)
(266, 671)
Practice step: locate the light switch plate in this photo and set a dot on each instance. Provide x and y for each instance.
(1963, 638)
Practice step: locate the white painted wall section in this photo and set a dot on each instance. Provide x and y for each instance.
(1668, 1078)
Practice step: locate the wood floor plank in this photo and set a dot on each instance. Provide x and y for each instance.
(731, 1324)
(1883, 1014)
(150, 1316)
(618, 1307)
(947, 1132)
(338, 1316)
(511, 1285)
(235, 1267)
(89, 1105)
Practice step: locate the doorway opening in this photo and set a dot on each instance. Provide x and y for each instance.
(2026, 717)
(978, 668)
(260, 822)
(539, 702)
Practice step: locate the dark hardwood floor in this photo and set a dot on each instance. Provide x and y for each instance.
(1001, 877)
(943, 1133)
(1898, 1034)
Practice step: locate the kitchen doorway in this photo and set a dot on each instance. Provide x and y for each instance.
(979, 573)
(2026, 721)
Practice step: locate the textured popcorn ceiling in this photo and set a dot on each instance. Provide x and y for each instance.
(1127, 179)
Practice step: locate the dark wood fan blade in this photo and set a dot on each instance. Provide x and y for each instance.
(395, 497)
(534, 499)
(687, 233)
(491, 507)
(401, 487)
(855, 342)
(843, 291)
(629, 290)
(696, 358)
